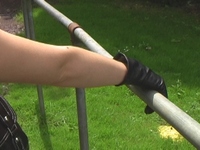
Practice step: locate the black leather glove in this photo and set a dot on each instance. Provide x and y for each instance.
(141, 76)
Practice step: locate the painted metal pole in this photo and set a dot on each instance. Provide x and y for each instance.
(80, 93)
(86, 39)
(80, 100)
(82, 118)
(181, 121)
(30, 34)
(54, 12)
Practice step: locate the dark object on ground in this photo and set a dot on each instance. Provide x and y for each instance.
(12, 136)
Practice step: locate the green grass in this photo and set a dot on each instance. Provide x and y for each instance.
(165, 39)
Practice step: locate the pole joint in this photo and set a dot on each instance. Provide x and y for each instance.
(72, 26)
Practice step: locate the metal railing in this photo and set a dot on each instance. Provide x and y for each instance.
(181, 121)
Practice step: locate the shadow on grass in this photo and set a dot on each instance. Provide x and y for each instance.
(44, 130)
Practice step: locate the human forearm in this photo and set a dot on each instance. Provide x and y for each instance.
(91, 70)
(27, 61)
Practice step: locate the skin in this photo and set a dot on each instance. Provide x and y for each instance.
(27, 61)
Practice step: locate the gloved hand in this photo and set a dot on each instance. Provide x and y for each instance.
(141, 76)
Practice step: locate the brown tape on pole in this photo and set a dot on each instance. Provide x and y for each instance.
(72, 26)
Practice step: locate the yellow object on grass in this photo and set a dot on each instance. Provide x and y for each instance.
(169, 132)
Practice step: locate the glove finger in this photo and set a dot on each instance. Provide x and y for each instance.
(163, 90)
(148, 110)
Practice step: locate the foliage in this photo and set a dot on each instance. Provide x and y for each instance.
(171, 3)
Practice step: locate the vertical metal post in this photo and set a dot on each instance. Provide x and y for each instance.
(29, 30)
(82, 119)
(80, 99)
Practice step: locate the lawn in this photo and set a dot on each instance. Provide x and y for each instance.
(165, 39)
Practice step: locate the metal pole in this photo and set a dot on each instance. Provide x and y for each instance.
(86, 39)
(28, 19)
(80, 93)
(80, 100)
(53, 12)
(82, 119)
(182, 122)
(29, 30)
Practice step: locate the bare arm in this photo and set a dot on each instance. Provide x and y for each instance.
(26, 61)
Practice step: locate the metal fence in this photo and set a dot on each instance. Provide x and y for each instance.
(181, 121)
